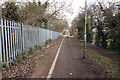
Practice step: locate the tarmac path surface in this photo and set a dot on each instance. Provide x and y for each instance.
(70, 62)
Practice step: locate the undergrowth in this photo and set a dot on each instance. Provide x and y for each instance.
(108, 65)
(24, 55)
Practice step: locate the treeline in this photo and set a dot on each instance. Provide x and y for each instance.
(103, 25)
(34, 14)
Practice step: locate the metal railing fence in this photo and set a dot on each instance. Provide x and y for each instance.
(16, 37)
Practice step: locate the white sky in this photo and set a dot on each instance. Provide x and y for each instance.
(76, 7)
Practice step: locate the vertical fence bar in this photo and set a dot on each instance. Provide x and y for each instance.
(6, 41)
(21, 36)
(3, 43)
(14, 39)
(8, 26)
(11, 37)
(0, 47)
(23, 39)
(17, 38)
(41, 37)
(46, 34)
(51, 34)
(38, 37)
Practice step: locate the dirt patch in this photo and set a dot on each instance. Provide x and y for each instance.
(42, 67)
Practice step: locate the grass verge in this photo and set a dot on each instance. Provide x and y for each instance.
(108, 65)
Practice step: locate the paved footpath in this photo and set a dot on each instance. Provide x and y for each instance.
(65, 60)
(70, 62)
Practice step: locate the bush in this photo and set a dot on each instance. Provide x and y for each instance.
(48, 41)
(30, 50)
(115, 46)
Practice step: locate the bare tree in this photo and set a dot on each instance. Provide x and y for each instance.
(59, 8)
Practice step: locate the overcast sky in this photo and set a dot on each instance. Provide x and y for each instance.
(76, 7)
(77, 4)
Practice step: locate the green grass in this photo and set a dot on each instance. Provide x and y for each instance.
(108, 65)
(67, 36)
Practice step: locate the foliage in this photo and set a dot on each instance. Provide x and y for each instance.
(30, 50)
(105, 22)
(78, 24)
(115, 33)
(10, 11)
(35, 14)
(60, 25)
(48, 41)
